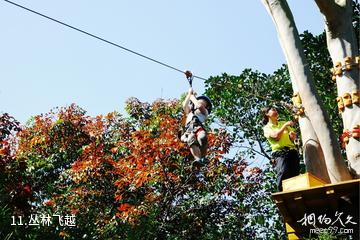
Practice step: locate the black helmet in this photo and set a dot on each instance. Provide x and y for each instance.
(208, 101)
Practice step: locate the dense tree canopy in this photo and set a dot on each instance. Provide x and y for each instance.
(130, 177)
(127, 177)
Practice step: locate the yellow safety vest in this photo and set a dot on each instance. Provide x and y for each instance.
(284, 141)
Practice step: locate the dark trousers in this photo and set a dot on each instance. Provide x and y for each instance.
(287, 165)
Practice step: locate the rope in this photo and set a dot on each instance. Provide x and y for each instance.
(288, 106)
(101, 39)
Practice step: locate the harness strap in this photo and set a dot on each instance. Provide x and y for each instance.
(198, 131)
(194, 120)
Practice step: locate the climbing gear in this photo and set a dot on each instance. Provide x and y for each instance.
(189, 77)
(340, 103)
(299, 113)
(191, 132)
(198, 131)
(349, 63)
(338, 69)
(296, 99)
(355, 97)
(194, 132)
(345, 137)
(356, 131)
(297, 106)
(347, 99)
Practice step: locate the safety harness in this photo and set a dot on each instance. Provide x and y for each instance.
(194, 126)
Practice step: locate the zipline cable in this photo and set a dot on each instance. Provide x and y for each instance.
(101, 39)
(188, 74)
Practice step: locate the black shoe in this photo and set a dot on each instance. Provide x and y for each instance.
(205, 160)
(200, 176)
(198, 163)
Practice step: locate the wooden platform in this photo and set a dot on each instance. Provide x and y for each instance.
(303, 181)
(329, 206)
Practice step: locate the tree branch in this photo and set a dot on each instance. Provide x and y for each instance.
(262, 148)
(337, 14)
(331, 8)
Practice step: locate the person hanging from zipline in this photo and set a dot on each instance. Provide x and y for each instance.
(197, 110)
(281, 136)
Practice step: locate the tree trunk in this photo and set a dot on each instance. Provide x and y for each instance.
(312, 152)
(288, 35)
(342, 43)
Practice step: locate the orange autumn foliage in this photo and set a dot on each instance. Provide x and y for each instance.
(135, 162)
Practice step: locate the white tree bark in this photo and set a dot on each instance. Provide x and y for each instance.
(341, 42)
(288, 34)
(312, 152)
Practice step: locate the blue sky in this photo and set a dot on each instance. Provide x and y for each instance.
(44, 65)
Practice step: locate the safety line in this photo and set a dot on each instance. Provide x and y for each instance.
(101, 39)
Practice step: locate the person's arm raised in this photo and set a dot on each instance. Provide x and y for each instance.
(277, 134)
(185, 103)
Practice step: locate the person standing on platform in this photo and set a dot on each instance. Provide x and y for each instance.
(281, 136)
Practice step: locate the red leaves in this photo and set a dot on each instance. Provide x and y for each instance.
(153, 159)
(124, 207)
(4, 151)
(152, 152)
(49, 203)
(114, 150)
(135, 160)
(238, 169)
(27, 190)
(95, 128)
(74, 211)
(130, 213)
(255, 170)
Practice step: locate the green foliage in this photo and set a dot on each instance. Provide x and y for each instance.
(238, 101)
(328, 235)
(320, 63)
(130, 178)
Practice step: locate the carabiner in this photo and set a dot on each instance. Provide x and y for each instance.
(189, 77)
